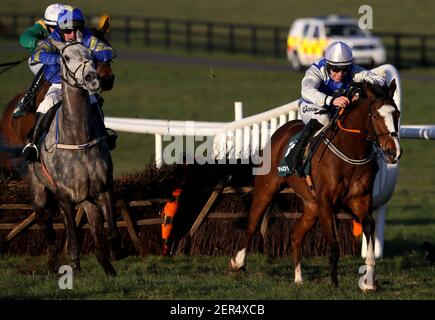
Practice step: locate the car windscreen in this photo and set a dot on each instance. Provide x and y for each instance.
(344, 30)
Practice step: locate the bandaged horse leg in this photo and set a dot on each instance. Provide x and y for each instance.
(304, 224)
(369, 281)
(258, 208)
(361, 207)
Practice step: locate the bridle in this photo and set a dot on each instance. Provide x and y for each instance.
(73, 73)
(372, 135)
(369, 134)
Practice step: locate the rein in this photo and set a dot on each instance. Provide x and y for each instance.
(342, 127)
(9, 65)
(345, 158)
(370, 136)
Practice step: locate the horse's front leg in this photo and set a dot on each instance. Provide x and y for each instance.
(67, 209)
(362, 208)
(304, 224)
(105, 204)
(327, 224)
(96, 226)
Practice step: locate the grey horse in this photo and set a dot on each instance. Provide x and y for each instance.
(75, 166)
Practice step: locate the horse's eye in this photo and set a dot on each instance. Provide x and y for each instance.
(376, 115)
(67, 58)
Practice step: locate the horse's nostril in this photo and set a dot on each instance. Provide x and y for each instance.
(89, 77)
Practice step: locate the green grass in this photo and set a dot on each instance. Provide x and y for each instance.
(203, 278)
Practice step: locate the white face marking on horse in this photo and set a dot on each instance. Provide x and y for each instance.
(386, 112)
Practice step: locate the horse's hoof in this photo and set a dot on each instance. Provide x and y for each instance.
(110, 271)
(299, 282)
(369, 287)
(75, 265)
(52, 267)
(235, 266)
(119, 254)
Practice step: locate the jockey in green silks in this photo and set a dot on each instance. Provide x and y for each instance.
(30, 39)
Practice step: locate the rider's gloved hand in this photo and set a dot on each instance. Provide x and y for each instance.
(340, 102)
(376, 81)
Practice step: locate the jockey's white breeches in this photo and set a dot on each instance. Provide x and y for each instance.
(34, 67)
(310, 111)
(53, 96)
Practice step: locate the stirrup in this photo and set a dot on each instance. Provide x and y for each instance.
(30, 152)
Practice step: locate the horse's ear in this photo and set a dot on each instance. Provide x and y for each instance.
(369, 91)
(392, 88)
(57, 44)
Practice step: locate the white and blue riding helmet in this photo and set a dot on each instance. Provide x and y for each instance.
(338, 53)
(51, 14)
(70, 18)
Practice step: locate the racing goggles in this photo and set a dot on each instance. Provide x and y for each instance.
(343, 69)
(68, 31)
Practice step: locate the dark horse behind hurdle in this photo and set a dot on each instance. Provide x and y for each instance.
(75, 166)
(343, 171)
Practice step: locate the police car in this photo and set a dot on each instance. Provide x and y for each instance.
(309, 37)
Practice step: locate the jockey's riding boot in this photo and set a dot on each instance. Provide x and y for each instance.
(111, 138)
(24, 106)
(31, 151)
(42, 124)
(293, 159)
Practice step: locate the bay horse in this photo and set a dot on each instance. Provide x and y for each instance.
(75, 166)
(343, 171)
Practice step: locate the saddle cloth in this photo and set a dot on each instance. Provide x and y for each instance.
(283, 168)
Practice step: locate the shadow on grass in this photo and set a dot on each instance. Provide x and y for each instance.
(399, 247)
(411, 222)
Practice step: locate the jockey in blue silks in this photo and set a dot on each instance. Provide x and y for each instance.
(70, 27)
(323, 88)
